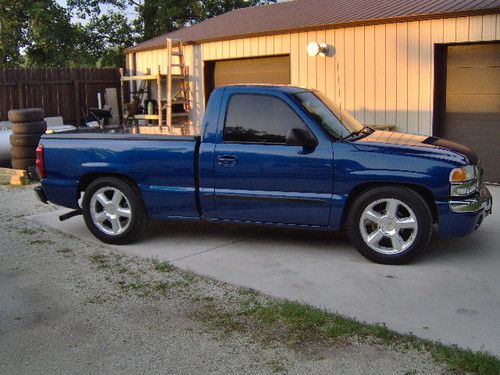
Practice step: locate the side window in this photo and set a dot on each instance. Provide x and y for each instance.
(259, 119)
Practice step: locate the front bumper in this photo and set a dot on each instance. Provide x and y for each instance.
(482, 202)
(462, 217)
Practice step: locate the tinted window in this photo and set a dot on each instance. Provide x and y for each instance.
(259, 119)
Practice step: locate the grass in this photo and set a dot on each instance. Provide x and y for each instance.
(162, 266)
(293, 324)
(308, 324)
(31, 231)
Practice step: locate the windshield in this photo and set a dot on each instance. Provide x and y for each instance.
(338, 123)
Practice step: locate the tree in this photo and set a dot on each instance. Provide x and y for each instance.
(161, 16)
(44, 33)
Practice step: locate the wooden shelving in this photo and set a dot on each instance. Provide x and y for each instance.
(180, 98)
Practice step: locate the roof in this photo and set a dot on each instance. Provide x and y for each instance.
(301, 15)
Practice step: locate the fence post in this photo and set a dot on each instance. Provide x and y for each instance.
(20, 96)
(77, 102)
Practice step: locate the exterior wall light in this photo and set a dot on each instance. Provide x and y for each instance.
(320, 49)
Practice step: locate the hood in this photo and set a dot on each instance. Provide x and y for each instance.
(419, 144)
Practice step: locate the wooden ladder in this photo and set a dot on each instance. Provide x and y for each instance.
(177, 120)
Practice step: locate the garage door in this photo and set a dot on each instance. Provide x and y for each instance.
(275, 70)
(473, 102)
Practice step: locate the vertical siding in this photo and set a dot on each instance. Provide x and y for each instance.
(382, 74)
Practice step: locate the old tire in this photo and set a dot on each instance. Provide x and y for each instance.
(25, 140)
(25, 115)
(37, 127)
(390, 225)
(114, 211)
(23, 164)
(17, 152)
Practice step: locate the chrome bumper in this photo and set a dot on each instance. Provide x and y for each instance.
(483, 202)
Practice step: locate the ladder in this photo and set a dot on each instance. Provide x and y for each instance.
(178, 103)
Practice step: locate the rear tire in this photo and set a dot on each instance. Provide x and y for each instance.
(114, 211)
(25, 115)
(25, 140)
(23, 164)
(17, 152)
(37, 127)
(390, 225)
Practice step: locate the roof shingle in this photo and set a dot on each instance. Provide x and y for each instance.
(313, 14)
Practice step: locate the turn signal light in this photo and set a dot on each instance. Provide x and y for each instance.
(463, 174)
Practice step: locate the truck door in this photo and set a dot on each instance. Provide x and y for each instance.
(257, 176)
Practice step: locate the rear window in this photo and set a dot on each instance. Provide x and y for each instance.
(254, 118)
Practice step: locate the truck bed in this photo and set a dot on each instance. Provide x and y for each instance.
(162, 166)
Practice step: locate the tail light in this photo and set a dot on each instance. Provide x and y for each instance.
(39, 162)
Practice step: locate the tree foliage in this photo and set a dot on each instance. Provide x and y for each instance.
(86, 33)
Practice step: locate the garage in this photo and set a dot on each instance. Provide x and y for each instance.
(274, 70)
(472, 114)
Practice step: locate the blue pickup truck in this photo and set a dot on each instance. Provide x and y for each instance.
(271, 155)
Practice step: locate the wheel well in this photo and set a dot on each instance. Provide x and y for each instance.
(87, 179)
(358, 190)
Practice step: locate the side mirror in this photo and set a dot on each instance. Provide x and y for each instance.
(300, 137)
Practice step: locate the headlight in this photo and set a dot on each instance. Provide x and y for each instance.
(464, 180)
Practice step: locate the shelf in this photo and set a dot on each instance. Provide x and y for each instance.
(149, 77)
(147, 117)
(180, 114)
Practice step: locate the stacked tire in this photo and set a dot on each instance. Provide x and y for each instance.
(27, 128)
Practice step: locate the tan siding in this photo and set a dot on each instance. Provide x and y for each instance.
(380, 70)
(312, 76)
(449, 29)
(413, 75)
(371, 63)
(340, 59)
(330, 68)
(475, 29)
(348, 53)
(424, 85)
(402, 77)
(391, 74)
(462, 29)
(321, 64)
(382, 74)
(294, 58)
(302, 77)
(498, 27)
(489, 27)
(359, 73)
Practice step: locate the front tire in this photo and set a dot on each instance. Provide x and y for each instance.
(390, 225)
(113, 211)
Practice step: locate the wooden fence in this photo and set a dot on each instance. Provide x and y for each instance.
(62, 92)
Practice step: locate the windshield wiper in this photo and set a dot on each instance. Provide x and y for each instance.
(366, 130)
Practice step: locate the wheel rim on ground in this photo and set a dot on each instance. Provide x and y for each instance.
(388, 226)
(110, 211)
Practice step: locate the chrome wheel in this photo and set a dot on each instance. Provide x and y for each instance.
(110, 211)
(388, 226)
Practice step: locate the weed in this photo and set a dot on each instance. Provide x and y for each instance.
(64, 250)
(97, 300)
(277, 366)
(31, 231)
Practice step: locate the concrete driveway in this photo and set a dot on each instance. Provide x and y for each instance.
(451, 293)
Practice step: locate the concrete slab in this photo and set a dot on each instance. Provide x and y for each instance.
(451, 293)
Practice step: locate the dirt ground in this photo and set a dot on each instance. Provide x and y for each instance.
(72, 306)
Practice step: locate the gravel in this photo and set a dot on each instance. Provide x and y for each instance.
(71, 306)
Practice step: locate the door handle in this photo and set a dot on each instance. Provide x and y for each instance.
(227, 160)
